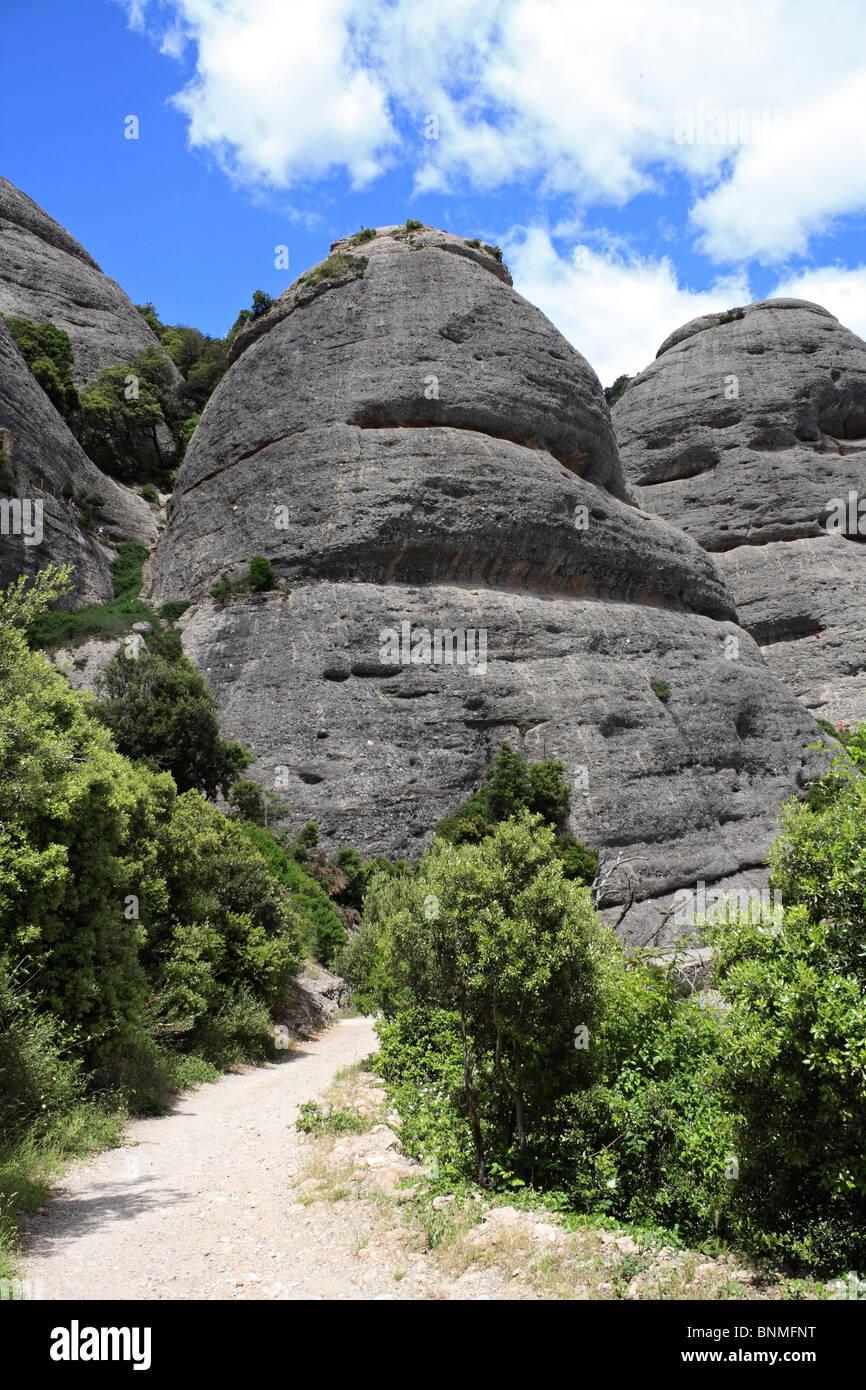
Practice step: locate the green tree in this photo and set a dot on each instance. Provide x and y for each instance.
(48, 353)
(162, 711)
(796, 1066)
(493, 934)
(131, 418)
(70, 807)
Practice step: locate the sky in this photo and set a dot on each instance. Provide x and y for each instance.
(639, 163)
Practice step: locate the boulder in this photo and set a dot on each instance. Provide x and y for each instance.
(419, 453)
(749, 433)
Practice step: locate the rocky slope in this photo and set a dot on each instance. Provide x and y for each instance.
(743, 431)
(46, 274)
(44, 456)
(410, 442)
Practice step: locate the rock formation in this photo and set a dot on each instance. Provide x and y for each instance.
(749, 432)
(45, 274)
(416, 449)
(43, 457)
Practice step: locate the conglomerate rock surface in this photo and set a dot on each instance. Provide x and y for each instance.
(44, 460)
(46, 274)
(749, 433)
(416, 449)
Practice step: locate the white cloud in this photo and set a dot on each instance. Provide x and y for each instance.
(279, 95)
(790, 185)
(615, 309)
(836, 288)
(590, 101)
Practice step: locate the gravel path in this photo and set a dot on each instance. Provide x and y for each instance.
(199, 1203)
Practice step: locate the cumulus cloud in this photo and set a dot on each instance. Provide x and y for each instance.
(281, 94)
(837, 288)
(596, 102)
(614, 308)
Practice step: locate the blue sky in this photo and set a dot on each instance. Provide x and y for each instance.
(639, 164)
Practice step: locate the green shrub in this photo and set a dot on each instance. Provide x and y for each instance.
(162, 710)
(365, 234)
(174, 609)
(613, 393)
(660, 689)
(8, 475)
(492, 933)
(413, 225)
(223, 589)
(149, 493)
(48, 353)
(126, 569)
(313, 1120)
(731, 315)
(512, 785)
(325, 932)
(796, 1065)
(261, 575)
(125, 413)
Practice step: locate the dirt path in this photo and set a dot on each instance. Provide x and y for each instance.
(199, 1204)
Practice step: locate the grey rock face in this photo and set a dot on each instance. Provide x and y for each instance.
(46, 274)
(416, 449)
(45, 455)
(745, 433)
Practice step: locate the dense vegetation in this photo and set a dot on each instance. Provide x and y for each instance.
(524, 1048)
(144, 936)
(48, 353)
(134, 419)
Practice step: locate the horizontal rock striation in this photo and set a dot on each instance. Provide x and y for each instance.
(46, 274)
(748, 432)
(44, 456)
(417, 450)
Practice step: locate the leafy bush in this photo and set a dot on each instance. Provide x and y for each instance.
(162, 710)
(326, 933)
(313, 1120)
(511, 786)
(661, 689)
(613, 393)
(365, 234)
(492, 933)
(796, 1067)
(413, 225)
(150, 493)
(261, 575)
(130, 418)
(48, 353)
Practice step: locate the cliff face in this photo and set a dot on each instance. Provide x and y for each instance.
(416, 449)
(44, 456)
(45, 274)
(748, 433)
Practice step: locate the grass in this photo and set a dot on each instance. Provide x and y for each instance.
(30, 1165)
(313, 1120)
(338, 266)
